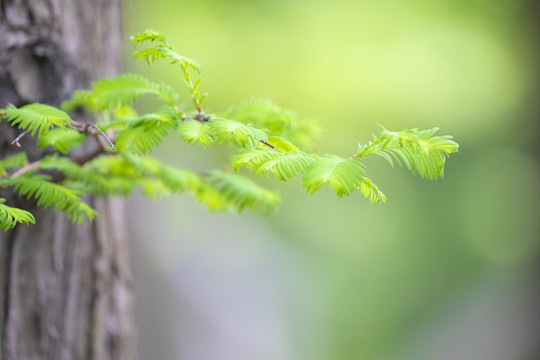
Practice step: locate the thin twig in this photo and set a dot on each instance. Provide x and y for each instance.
(102, 134)
(201, 117)
(16, 141)
(26, 168)
(268, 144)
(83, 128)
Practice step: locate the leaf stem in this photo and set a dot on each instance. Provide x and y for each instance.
(366, 149)
(195, 94)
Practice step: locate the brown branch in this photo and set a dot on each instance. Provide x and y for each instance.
(26, 168)
(268, 144)
(84, 158)
(201, 116)
(80, 160)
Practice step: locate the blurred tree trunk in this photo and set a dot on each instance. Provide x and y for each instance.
(65, 290)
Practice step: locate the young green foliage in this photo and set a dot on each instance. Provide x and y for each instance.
(94, 182)
(242, 192)
(193, 131)
(142, 133)
(267, 140)
(47, 194)
(419, 151)
(122, 90)
(14, 161)
(244, 135)
(36, 118)
(162, 50)
(371, 191)
(342, 175)
(10, 216)
(284, 123)
(284, 165)
(61, 139)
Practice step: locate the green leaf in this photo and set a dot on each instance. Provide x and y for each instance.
(125, 111)
(244, 135)
(252, 157)
(371, 191)
(142, 165)
(113, 166)
(140, 139)
(154, 188)
(164, 50)
(283, 144)
(96, 184)
(284, 165)
(10, 216)
(342, 175)
(193, 131)
(243, 192)
(211, 198)
(36, 118)
(285, 123)
(62, 139)
(144, 132)
(176, 58)
(145, 171)
(121, 177)
(79, 99)
(419, 151)
(178, 179)
(48, 194)
(264, 113)
(149, 35)
(13, 161)
(123, 90)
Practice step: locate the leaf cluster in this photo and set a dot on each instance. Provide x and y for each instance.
(419, 151)
(266, 138)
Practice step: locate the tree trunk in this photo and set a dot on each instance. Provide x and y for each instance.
(65, 290)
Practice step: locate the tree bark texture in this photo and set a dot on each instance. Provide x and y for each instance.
(65, 290)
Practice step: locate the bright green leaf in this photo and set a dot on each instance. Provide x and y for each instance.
(193, 131)
(342, 175)
(36, 118)
(10, 216)
(62, 139)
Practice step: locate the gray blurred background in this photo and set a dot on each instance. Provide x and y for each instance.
(445, 270)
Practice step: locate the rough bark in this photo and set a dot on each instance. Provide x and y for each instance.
(65, 290)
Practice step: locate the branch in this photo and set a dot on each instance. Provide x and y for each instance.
(16, 141)
(268, 144)
(102, 134)
(84, 158)
(26, 168)
(83, 128)
(200, 116)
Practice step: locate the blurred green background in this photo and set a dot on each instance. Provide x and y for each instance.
(445, 270)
